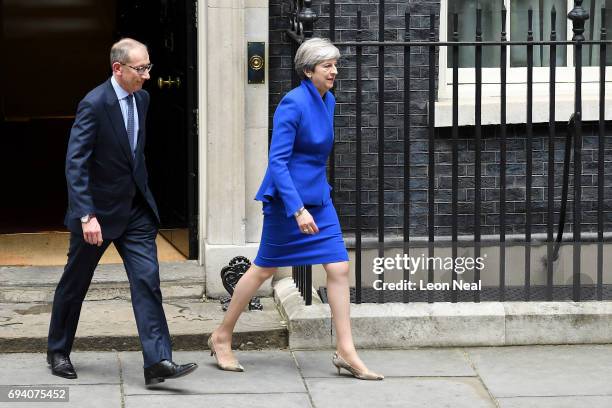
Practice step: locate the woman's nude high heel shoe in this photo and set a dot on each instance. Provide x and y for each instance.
(339, 362)
(229, 367)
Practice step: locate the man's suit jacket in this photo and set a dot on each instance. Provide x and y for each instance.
(102, 175)
(302, 138)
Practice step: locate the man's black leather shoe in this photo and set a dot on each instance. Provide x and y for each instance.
(166, 369)
(61, 365)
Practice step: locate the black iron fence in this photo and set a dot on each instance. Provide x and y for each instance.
(302, 19)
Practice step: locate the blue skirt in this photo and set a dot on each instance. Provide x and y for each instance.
(283, 244)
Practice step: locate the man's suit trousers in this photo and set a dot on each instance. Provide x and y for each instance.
(138, 249)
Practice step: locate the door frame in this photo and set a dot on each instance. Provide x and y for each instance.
(192, 129)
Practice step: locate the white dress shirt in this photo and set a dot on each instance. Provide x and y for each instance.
(123, 103)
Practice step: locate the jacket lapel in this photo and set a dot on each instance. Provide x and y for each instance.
(116, 118)
(141, 122)
(318, 101)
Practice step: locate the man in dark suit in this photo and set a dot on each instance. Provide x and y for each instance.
(109, 201)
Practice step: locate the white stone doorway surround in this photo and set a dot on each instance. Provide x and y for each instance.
(233, 129)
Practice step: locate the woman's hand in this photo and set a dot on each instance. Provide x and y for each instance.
(306, 223)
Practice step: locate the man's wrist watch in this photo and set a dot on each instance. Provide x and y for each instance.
(85, 219)
(298, 212)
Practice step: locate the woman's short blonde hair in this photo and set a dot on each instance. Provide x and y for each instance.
(313, 52)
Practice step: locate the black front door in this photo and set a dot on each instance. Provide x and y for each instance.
(168, 28)
(52, 53)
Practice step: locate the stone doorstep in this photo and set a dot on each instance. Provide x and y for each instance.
(99, 291)
(398, 325)
(251, 340)
(110, 325)
(179, 280)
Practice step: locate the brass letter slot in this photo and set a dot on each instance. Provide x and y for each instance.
(170, 83)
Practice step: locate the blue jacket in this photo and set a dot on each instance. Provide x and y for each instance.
(101, 174)
(302, 138)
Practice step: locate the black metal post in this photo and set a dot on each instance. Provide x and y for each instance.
(301, 20)
(478, 147)
(381, 138)
(294, 77)
(502, 162)
(551, 157)
(332, 154)
(600, 164)
(308, 17)
(302, 281)
(578, 16)
(358, 167)
(529, 155)
(455, 157)
(432, 151)
(308, 285)
(406, 231)
(332, 20)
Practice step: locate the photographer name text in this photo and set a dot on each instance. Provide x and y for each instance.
(422, 285)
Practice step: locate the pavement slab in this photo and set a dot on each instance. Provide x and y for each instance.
(393, 363)
(556, 402)
(265, 372)
(399, 393)
(542, 371)
(284, 400)
(32, 369)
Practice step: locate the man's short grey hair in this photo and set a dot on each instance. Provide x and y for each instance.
(313, 52)
(120, 51)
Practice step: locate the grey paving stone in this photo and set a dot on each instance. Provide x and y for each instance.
(285, 400)
(556, 402)
(455, 392)
(265, 372)
(392, 363)
(91, 368)
(545, 370)
(90, 396)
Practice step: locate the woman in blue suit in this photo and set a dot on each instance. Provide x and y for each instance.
(300, 226)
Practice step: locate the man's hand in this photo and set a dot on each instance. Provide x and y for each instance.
(92, 232)
(306, 223)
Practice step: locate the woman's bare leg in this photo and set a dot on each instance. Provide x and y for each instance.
(245, 289)
(339, 301)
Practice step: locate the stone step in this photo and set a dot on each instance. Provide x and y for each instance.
(179, 280)
(399, 325)
(107, 325)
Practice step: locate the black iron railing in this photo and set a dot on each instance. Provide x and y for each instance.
(303, 18)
